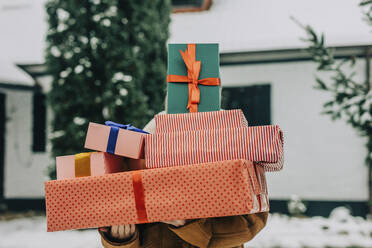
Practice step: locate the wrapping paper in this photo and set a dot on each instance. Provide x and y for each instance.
(193, 78)
(88, 164)
(201, 120)
(181, 192)
(261, 144)
(263, 193)
(128, 143)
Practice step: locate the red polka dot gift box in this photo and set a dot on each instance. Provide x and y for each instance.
(181, 192)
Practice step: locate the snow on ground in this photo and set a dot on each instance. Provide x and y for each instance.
(31, 233)
(340, 230)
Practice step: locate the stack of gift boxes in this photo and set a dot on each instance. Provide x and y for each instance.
(200, 162)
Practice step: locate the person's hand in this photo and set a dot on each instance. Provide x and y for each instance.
(120, 232)
(176, 223)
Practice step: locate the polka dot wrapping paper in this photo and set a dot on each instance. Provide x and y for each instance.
(261, 144)
(200, 120)
(182, 192)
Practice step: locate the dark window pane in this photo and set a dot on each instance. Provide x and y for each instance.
(2, 143)
(39, 122)
(253, 100)
(187, 3)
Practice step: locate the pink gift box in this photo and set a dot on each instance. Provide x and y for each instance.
(166, 123)
(260, 144)
(128, 144)
(100, 163)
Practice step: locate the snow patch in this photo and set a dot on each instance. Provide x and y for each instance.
(123, 92)
(55, 51)
(79, 121)
(340, 230)
(78, 69)
(62, 14)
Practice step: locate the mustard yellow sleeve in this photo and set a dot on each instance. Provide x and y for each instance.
(222, 232)
(131, 243)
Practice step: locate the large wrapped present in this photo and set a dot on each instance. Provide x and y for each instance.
(182, 192)
(201, 120)
(118, 139)
(193, 78)
(88, 164)
(261, 144)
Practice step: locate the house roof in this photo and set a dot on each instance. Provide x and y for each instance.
(22, 30)
(241, 25)
(11, 74)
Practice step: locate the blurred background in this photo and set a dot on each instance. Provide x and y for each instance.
(304, 65)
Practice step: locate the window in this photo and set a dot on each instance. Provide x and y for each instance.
(190, 5)
(187, 3)
(253, 100)
(2, 144)
(39, 122)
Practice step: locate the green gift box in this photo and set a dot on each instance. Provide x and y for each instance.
(193, 78)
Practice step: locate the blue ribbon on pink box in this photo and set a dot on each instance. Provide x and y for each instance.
(114, 131)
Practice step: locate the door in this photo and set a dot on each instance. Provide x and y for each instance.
(2, 143)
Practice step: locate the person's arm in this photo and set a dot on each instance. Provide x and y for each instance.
(124, 236)
(221, 232)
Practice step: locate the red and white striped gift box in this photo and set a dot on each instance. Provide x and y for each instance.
(261, 144)
(201, 120)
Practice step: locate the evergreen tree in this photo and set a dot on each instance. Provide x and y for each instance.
(351, 100)
(107, 59)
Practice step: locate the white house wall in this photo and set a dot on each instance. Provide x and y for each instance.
(25, 171)
(243, 25)
(324, 159)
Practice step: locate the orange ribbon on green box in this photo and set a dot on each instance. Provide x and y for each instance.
(192, 78)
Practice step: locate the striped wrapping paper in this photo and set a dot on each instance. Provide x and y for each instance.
(261, 144)
(200, 120)
(261, 180)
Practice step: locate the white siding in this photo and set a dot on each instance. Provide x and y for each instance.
(242, 25)
(25, 171)
(324, 160)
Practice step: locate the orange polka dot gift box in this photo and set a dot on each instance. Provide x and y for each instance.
(224, 188)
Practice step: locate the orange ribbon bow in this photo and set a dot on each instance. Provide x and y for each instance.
(193, 71)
